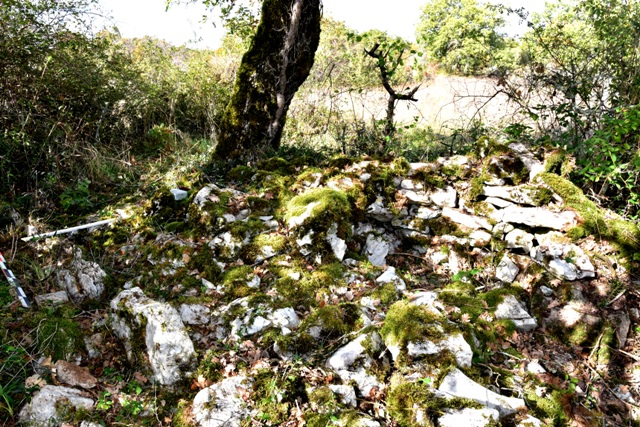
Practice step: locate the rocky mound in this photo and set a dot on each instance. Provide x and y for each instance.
(477, 291)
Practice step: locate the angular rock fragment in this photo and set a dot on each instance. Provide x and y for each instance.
(507, 270)
(390, 276)
(195, 314)
(444, 197)
(468, 417)
(470, 221)
(457, 384)
(536, 217)
(138, 318)
(519, 239)
(83, 280)
(511, 308)
(351, 362)
(48, 405)
(222, 404)
(74, 375)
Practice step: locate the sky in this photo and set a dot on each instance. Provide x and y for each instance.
(182, 23)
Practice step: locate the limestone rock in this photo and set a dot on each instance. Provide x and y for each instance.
(378, 211)
(468, 417)
(83, 280)
(531, 163)
(351, 362)
(390, 276)
(338, 245)
(507, 270)
(52, 299)
(377, 248)
(519, 239)
(45, 407)
(222, 404)
(346, 392)
(74, 375)
(169, 348)
(425, 212)
(524, 195)
(444, 197)
(511, 308)
(499, 203)
(469, 221)
(457, 384)
(536, 217)
(479, 238)
(195, 314)
(455, 344)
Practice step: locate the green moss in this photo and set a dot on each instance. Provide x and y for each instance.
(559, 163)
(550, 406)
(406, 322)
(330, 206)
(340, 162)
(442, 226)
(210, 367)
(275, 164)
(405, 399)
(387, 294)
(597, 221)
(203, 262)
(334, 320)
(235, 282)
(275, 396)
(477, 188)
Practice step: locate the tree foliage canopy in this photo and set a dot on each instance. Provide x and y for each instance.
(462, 35)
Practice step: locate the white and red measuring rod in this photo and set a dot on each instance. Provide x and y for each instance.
(22, 297)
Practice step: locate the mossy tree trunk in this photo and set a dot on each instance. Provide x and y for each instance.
(277, 63)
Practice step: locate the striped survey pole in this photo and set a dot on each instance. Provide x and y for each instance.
(13, 281)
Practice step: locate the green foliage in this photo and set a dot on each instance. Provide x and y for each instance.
(463, 36)
(582, 65)
(14, 370)
(610, 160)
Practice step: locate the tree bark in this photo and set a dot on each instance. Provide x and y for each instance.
(277, 63)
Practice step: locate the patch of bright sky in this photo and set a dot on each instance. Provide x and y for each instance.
(182, 24)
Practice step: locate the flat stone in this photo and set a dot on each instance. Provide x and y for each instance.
(470, 221)
(54, 298)
(455, 344)
(74, 375)
(286, 319)
(524, 195)
(507, 270)
(444, 197)
(159, 325)
(536, 217)
(195, 314)
(468, 417)
(479, 238)
(519, 239)
(47, 404)
(222, 404)
(424, 212)
(499, 203)
(418, 197)
(457, 384)
(409, 184)
(511, 308)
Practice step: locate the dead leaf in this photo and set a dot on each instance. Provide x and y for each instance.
(466, 318)
(140, 378)
(200, 383)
